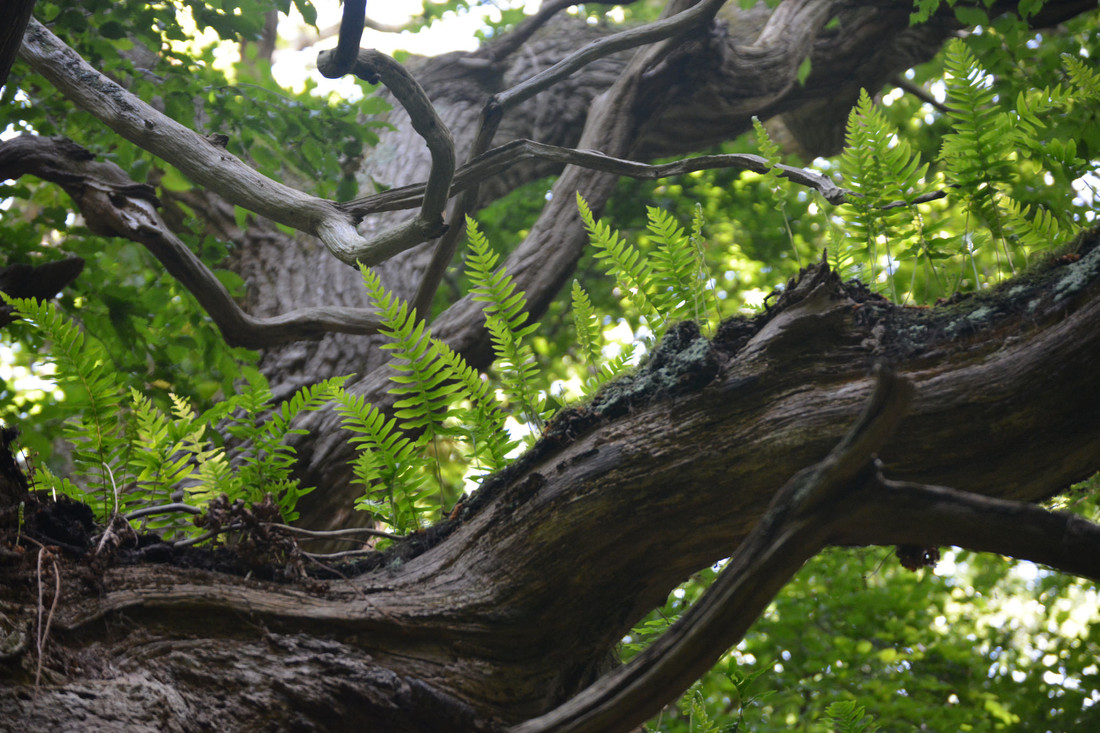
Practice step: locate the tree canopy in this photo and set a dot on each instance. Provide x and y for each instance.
(694, 364)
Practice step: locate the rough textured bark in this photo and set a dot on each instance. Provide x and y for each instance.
(703, 91)
(513, 606)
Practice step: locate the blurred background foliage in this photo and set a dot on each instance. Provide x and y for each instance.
(980, 643)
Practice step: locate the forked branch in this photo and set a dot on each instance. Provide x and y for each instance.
(114, 205)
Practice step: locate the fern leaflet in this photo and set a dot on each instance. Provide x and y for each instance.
(506, 319)
(96, 429)
(390, 465)
(624, 263)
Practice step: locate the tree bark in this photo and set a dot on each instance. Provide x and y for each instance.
(706, 90)
(513, 606)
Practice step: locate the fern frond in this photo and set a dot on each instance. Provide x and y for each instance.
(770, 151)
(1084, 78)
(426, 387)
(624, 263)
(483, 424)
(880, 169)
(709, 305)
(165, 448)
(976, 154)
(506, 320)
(601, 370)
(847, 716)
(97, 427)
(676, 267)
(587, 327)
(614, 367)
(1036, 231)
(266, 462)
(390, 466)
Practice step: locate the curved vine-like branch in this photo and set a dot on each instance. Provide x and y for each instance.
(114, 205)
(372, 66)
(841, 500)
(631, 38)
(209, 165)
(795, 528)
(501, 158)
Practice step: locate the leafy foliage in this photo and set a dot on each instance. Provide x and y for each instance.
(882, 171)
(133, 454)
(624, 263)
(872, 630)
(848, 717)
(979, 154)
(506, 319)
(96, 429)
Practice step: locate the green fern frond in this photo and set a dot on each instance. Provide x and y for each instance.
(601, 370)
(881, 170)
(1036, 231)
(506, 320)
(709, 304)
(587, 327)
(847, 716)
(427, 388)
(482, 425)
(976, 155)
(842, 255)
(266, 462)
(166, 448)
(676, 267)
(770, 151)
(97, 428)
(614, 367)
(1085, 79)
(624, 263)
(390, 466)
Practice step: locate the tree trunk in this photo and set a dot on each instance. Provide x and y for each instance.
(515, 604)
(705, 91)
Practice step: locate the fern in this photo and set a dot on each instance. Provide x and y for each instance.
(266, 462)
(979, 154)
(426, 387)
(481, 424)
(390, 466)
(976, 155)
(624, 263)
(96, 429)
(881, 170)
(678, 268)
(848, 717)
(771, 179)
(167, 450)
(507, 323)
(600, 369)
(587, 327)
(1036, 230)
(1085, 79)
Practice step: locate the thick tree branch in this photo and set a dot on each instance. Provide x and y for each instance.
(212, 166)
(794, 529)
(658, 30)
(114, 205)
(917, 514)
(686, 453)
